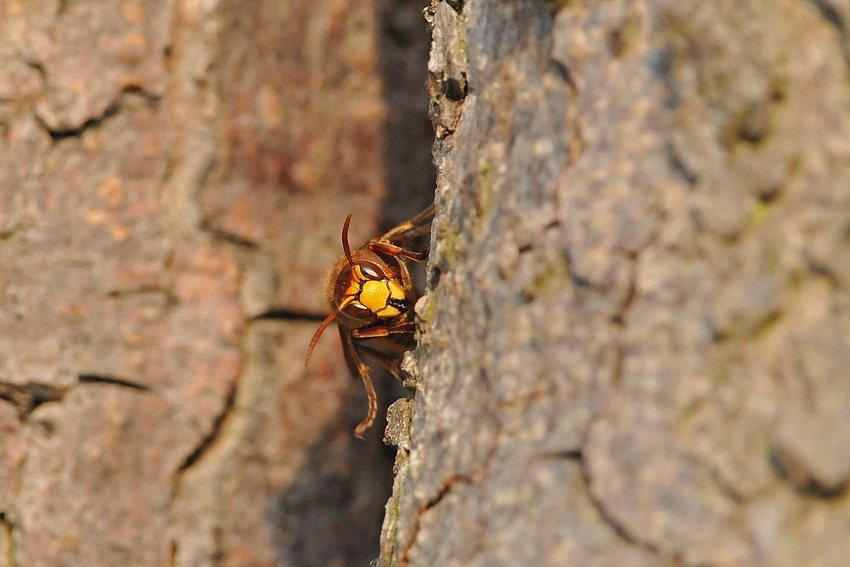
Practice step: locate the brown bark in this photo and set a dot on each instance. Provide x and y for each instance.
(636, 339)
(169, 171)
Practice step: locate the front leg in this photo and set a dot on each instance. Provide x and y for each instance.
(352, 357)
(377, 332)
(373, 402)
(393, 250)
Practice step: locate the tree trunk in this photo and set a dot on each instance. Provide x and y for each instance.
(635, 343)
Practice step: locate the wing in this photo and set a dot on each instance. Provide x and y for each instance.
(411, 228)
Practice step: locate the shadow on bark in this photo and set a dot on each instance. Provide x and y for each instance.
(332, 513)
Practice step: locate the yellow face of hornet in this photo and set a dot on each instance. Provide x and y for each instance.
(364, 290)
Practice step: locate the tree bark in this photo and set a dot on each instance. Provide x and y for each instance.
(635, 344)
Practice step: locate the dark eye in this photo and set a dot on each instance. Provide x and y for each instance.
(371, 271)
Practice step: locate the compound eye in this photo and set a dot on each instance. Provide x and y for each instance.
(358, 310)
(371, 271)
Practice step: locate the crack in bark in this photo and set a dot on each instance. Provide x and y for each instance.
(829, 13)
(218, 554)
(790, 469)
(59, 134)
(478, 474)
(680, 170)
(38, 67)
(429, 505)
(173, 551)
(284, 314)
(566, 455)
(212, 436)
(170, 297)
(9, 528)
(10, 232)
(227, 236)
(606, 515)
(579, 455)
(619, 321)
(28, 396)
(619, 318)
(445, 489)
(467, 478)
(113, 381)
(577, 280)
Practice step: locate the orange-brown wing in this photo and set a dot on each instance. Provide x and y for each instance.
(411, 228)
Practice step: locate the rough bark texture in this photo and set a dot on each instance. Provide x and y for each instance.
(636, 340)
(169, 171)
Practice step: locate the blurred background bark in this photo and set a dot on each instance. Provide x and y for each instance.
(174, 177)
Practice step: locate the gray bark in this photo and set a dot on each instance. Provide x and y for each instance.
(635, 343)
